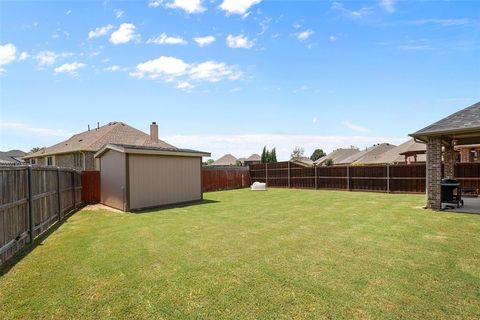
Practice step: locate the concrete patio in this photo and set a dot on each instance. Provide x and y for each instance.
(471, 205)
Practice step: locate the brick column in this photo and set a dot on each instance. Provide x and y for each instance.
(449, 160)
(434, 173)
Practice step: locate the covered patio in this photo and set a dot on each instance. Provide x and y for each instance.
(442, 137)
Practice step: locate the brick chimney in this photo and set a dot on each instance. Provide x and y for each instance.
(154, 132)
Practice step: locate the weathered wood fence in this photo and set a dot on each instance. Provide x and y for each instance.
(31, 200)
(382, 178)
(224, 178)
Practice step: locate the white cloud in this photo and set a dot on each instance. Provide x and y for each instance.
(70, 68)
(351, 13)
(124, 34)
(114, 68)
(239, 41)
(355, 127)
(46, 58)
(442, 22)
(388, 5)
(7, 53)
(68, 12)
(23, 128)
(184, 85)
(315, 120)
(332, 38)
(242, 145)
(164, 39)
(237, 6)
(204, 41)
(304, 35)
(172, 69)
(155, 3)
(189, 6)
(23, 56)
(118, 13)
(100, 31)
(163, 66)
(212, 71)
(3, 71)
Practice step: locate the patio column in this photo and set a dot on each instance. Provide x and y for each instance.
(449, 160)
(434, 173)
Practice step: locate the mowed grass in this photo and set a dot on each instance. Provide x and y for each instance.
(280, 254)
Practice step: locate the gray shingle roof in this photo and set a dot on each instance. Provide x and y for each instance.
(95, 139)
(11, 157)
(463, 120)
(368, 156)
(394, 155)
(226, 160)
(338, 156)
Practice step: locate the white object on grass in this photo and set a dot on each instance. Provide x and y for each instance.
(259, 186)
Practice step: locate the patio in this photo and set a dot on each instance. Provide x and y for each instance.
(471, 205)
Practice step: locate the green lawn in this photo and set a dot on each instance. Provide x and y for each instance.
(279, 254)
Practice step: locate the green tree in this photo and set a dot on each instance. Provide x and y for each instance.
(297, 153)
(317, 154)
(264, 155)
(273, 155)
(209, 162)
(35, 149)
(328, 162)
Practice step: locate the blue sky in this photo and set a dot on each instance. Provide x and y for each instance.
(229, 76)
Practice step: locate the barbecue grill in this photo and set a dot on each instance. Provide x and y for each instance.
(451, 192)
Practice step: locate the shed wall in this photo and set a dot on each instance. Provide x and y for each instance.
(113, 179)
(162, 180)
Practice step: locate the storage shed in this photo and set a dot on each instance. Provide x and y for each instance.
(141, 177)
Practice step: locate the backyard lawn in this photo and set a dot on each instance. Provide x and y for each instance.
(266, 255)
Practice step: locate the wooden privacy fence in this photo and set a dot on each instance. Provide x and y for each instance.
(224, 178)
(383, 178)
(90, 187)
(31, 200)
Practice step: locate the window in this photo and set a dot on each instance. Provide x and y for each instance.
(33, 161)
(78, 160)
(50, 161)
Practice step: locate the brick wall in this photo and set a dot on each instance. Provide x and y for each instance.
(434, 173)
(449, 160)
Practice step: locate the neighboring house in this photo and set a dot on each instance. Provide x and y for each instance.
(368, 156)
(253, 159)
(337, 156)
(468, 153)
(78, 151)
(303, 161)
(226, 160)
(406, 153)
(12, 157)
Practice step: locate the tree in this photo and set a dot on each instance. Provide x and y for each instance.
(273, 155)
(297, 153)
(317, 154)
(238, 163)
(35, 149)
(264, 155)
(209, 162)
(328, 162)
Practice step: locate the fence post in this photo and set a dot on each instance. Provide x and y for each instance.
(58, 195)
(348, 178)
(30, 201)
(316, 185)
(388, 178)
(73, 189)
(266, 174)
(289, 184)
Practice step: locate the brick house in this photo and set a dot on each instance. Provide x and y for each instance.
(78, 151)
(456, 131)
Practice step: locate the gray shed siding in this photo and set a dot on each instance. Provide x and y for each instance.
(113, 179)
(156, 180)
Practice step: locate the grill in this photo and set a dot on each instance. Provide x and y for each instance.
(451, 192)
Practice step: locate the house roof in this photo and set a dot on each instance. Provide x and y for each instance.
(337, 156)
(11, 157)
(303, 161)
(397, 154)
(463, 121)
(254, 157)
(93, 140)
(226, 160)
(151, 150)
(369, 155)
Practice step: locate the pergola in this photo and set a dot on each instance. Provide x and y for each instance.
(461, 128)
